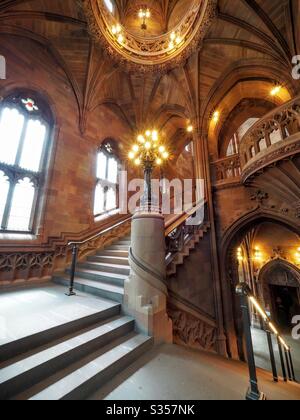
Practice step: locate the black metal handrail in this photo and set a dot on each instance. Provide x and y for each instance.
(288, 372)
(75, 247)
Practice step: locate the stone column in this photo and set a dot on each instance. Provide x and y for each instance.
(145, 290)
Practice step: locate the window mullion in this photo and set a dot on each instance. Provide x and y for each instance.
(21, 143)
(33, 208)
(8, 205)
(106, 169)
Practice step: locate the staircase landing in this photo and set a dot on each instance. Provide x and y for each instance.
(53, 347)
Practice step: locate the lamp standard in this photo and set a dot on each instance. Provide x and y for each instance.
(148, 152)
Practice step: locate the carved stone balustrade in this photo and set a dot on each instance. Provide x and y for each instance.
(226, 170)
(274, 137)
(29, 263)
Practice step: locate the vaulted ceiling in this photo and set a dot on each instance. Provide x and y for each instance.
(249, 41)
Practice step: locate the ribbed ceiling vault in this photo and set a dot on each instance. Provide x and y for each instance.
(249, 38)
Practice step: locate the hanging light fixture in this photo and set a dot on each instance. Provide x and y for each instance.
(144, 15)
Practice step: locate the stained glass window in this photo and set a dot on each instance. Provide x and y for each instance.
(24, 129)
(107, 180)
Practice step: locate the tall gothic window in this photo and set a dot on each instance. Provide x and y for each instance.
(24, 133)
(106, 194)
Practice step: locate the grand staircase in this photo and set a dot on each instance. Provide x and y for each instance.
(74, 359)
(189, 245)
(102, 274)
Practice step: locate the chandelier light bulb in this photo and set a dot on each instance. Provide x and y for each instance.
(162, 149)
(120, 39)
(141, 139)
(154, 135)
(137, 162)
(131, 155)
(136, 148)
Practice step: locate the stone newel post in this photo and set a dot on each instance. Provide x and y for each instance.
(146, 290)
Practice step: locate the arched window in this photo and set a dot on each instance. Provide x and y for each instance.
(25, 125)
(106, 194)
(234, 143)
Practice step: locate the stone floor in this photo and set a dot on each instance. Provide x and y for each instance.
(170, 372)
(167, 372)
(262, 354)
(25, 312)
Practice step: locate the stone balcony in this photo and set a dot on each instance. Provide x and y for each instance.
(273, 138)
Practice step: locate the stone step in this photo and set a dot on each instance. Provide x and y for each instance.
(105, 267)
(96, 288)
(63, 328)
(118, 248)
(113, 253)
(107, 259)
(110, 278)
(16, 376)
(90, 376)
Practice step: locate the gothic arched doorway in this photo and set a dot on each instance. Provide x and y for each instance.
(279, 283)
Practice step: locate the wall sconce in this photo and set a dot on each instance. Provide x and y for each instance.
(116, 30)
(175, 40)
(297, 255)
(258, 256)
(215, 117)
(240, 255)
(189, 127)
(276, 90)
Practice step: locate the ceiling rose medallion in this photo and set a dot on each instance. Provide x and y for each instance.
(150, 53)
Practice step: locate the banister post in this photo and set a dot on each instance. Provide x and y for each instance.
(253, 393)
(73, 270)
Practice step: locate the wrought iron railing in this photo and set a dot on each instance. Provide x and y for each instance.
(285, 354)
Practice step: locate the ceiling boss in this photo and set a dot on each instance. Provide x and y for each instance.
(114, 25)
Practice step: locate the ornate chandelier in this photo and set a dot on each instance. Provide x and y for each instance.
(148, 152)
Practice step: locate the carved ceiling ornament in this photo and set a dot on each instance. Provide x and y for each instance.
(259, 196)
(150, 54)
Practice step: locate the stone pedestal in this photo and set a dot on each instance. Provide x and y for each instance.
(146, 290)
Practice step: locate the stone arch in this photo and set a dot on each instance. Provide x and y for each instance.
(264, 276)
(230, 241)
